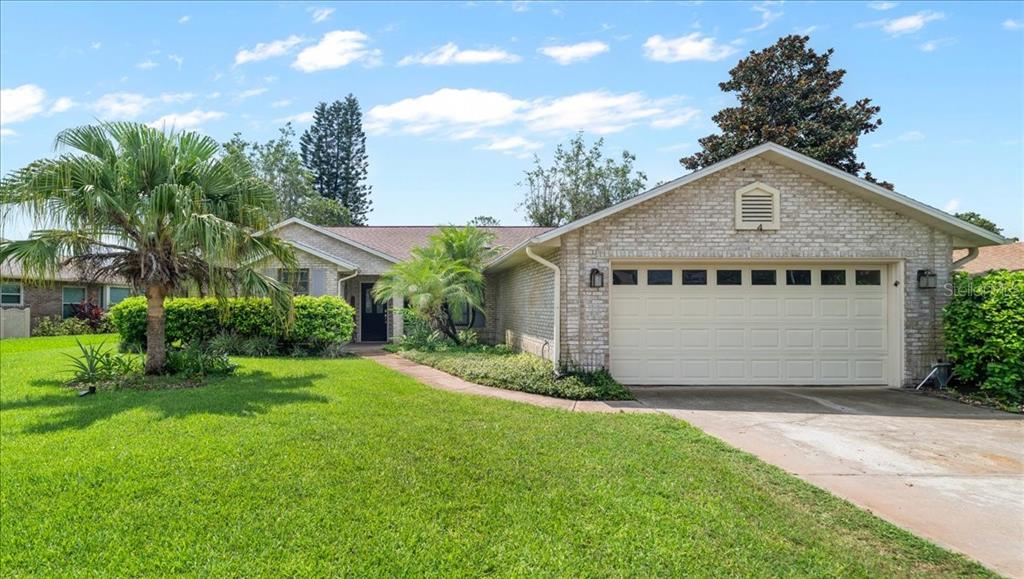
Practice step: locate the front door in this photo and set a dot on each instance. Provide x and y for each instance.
(374, 327)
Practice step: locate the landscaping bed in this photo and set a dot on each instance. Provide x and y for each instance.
(502, 368)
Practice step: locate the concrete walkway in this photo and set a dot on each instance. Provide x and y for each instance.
(445, 381)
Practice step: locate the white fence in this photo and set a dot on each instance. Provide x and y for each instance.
(15, 322)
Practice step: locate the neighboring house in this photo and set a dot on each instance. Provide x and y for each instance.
(1009, 257)
(766, 268)
(57, 296)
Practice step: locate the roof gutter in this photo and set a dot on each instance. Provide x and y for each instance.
(972, 252)
(555, 350)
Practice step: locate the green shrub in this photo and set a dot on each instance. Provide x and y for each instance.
(499, 367)
(55, 326)
(320, 324)
(196, 361)
(984, 332)
(102, 365)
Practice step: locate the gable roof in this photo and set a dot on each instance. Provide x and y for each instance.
(395, 243)
(1009, 256)
(322, 255)
(964, 234)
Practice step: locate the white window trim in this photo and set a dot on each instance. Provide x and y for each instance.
(21, 295)
(763, 190)
(106, 293)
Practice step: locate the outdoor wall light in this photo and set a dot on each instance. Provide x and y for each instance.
(596, 278)
(926, 279)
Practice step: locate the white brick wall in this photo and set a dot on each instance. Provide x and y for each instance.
(519, 305)
(697, 221)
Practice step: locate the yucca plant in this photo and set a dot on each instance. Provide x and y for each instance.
(92, 366)
(165, 211)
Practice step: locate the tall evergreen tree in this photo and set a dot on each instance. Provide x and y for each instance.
(787, 95)
(334, 150)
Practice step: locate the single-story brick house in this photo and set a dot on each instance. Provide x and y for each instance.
(55, 297)
(766, 268)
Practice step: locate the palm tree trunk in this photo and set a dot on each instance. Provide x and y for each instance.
(156, 343)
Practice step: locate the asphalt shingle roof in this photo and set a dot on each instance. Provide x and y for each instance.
(1009, 256)
(398, 241)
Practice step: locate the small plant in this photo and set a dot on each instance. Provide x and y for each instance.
(195, 361)
(55, 326)
(468, 338)
(257, 347)
(97, 364)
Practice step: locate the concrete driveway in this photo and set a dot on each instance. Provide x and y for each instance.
(943, 470)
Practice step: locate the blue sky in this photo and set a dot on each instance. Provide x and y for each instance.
(457, 97)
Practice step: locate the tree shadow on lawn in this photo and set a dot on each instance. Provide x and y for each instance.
(245, 394)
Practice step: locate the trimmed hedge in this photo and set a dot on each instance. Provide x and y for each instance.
(984, 331)
(501, 368)
(320, 322)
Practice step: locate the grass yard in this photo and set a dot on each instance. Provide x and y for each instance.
(342, 467)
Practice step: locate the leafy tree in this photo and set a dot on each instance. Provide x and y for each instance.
(484, 221)
(787, 95)
(324, 212)
(445, 276)
(164, 211)
(278, 164)
(579, 182)
(976, 219)
(333, 148)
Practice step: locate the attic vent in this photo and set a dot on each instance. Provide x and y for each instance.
(757, 207)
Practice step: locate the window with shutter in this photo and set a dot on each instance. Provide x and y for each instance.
(757, 207)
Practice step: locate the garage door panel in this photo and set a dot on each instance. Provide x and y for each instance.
(744, 334)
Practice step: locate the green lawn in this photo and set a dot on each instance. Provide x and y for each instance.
(342, 467)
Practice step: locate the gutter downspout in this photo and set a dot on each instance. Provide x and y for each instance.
(555, 350)
(344, 279)
(972, 252)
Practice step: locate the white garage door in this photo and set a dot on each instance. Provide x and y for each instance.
(749, 324)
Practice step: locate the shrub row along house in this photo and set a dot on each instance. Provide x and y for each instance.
(768, 267)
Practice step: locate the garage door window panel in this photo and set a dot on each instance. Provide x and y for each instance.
(659, 277)
(798, 277)
(833, 277)
(695, 277)
(729, 277)
(762, 277)
(624, 277)
(868, 277)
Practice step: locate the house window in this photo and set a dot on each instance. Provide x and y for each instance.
(762, 277)
(757, 207)
(798, 277)
(833, 277)
(116, 294)
(695, 277)
(624, 277)
(71, 296)
(659, 277)
(297, 279)
(10, 294)
(868, 277)
(729, 277)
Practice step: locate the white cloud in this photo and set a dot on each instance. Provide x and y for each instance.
(319, 14)
(281, 103)
(176, 59)
(7, 133)
(767, 15)
(597, 112)
(299, 118)
(933, 45)
(187, 120)
(95, 45)
(184, 19)
(907, 24)
(882, 5)
(444, 108)
(60, 105)
(147, 64)
(904, 137)
(125, 105)
(245, 94)
(676, 118)
(690, 47)
(1011, 24)
(952, 205)
(21, 103)
(570, 53)
(450, 54)
(336, 49)
(512, 145)
(807, 30)
(265, 50)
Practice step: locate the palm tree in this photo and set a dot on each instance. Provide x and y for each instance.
(445, 275)
(165, 211)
